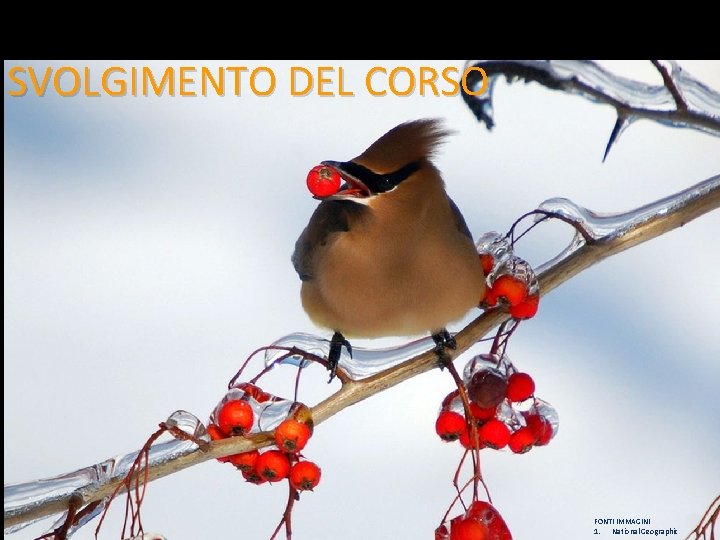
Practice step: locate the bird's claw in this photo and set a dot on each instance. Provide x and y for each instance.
(337, 342)
(443, 340)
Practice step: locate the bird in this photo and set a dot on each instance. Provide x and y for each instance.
(390, 253)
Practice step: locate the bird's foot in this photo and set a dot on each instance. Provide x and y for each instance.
(337, 342)
(443, 340)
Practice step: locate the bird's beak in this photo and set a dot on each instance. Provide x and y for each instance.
(352, 188)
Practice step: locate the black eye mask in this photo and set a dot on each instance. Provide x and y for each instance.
(376, 183)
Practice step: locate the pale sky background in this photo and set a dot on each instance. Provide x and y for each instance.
(147, 252)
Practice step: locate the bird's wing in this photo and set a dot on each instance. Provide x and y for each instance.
(459, 219)
(332, 216)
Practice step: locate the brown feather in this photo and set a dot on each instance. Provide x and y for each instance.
(403, 144)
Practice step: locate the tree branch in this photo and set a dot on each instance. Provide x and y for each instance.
(628, 230)
(681, 101)
(669, 83)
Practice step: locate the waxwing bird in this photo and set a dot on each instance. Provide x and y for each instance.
(390, 253)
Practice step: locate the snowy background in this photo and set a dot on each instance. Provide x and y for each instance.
(147, 252)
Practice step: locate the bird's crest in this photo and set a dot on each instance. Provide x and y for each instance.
(403, 144)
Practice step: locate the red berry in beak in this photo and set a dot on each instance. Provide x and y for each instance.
(322, 181)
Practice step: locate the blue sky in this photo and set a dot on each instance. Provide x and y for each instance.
(147, 252)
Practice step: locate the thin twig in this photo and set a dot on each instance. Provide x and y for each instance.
(710, 518)
(671, 86)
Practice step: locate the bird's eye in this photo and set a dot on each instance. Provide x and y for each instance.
(384, 184)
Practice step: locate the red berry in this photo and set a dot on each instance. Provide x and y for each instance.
(235, 417)
(495, 434)
(465, 438)
(322, 181)
(441, 533)
(487, 388)
(273, 466)
(291, 435)
(304, 475)
(511, 288)
(525, 309)
(215, 435)
(522, 440)
(487, 262)
(520, 386)
(468, 529)
(253, 477)
(487, 514)
(540, 427)
(245, 461)
(490, 299)
(482, 413)
(450, 425)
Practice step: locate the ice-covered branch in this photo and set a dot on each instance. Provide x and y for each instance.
(368, 373)
(681, 101)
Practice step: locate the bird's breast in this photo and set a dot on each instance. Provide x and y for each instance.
(393, 278)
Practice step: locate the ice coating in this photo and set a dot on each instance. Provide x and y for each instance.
(509, 415)
(486, 362)
(20, 526)
(268, 410)
(456, 405)
(589, 80)
(518, 268)
(621, 124)
(543, 408)
(364, 362)
(188, 423)
(596, 225)
(21, 498)
(633, 93)
(609, 226)
(86, 518)
(697, 96)
(497, 245)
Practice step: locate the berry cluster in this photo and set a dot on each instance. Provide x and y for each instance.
(494, 406)
(500, 409)
(481, 521)
(510, 280)
(237, 414)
